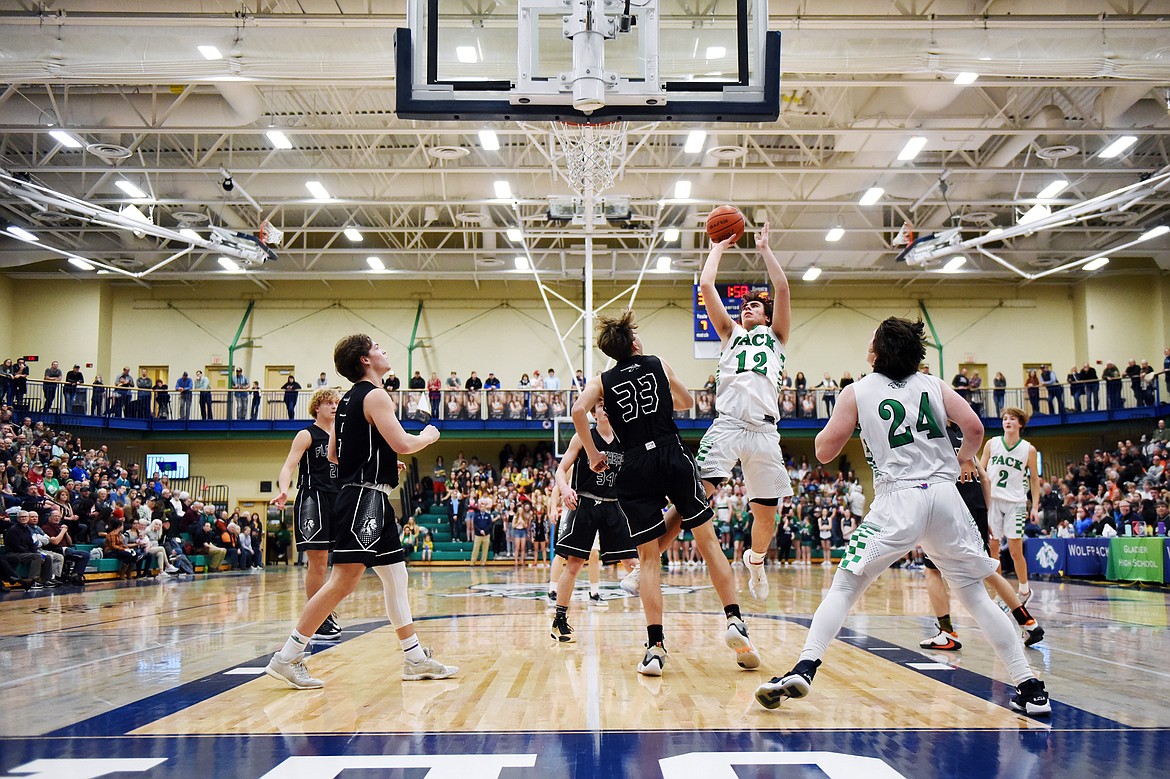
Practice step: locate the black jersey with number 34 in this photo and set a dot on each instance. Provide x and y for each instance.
(638, 402)
(598, 485)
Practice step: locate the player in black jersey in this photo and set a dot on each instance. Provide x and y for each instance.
(316, 491)
(974, 494)
(591, 498)
(640, 394)
(365, 445)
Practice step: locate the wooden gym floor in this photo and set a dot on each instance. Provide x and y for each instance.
(129, 672)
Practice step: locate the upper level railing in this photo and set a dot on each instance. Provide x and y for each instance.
(106, 406)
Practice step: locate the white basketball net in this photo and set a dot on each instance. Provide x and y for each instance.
(590, 152)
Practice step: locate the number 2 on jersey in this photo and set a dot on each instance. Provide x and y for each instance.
(893, 411)
(1002, 481)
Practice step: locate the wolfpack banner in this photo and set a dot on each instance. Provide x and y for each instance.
(1086, 556)
(1045, 556)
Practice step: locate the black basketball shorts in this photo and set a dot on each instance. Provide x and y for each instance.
(367, 531)
(313, 519)
(662, 471)
(592, 518)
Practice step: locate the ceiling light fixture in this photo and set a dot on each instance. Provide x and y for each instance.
(210, 53)
(130, 188)
(81, 264)
(912, 148)
(520, 263)
(670, 234)
(489, 140)
(514, 235)
(835, 234)
(65, 139)
(812, 274)
(716, 52)
(695, 141)
(871, 196)
(228, 264)
(503, 190)
(353, 234)
(21, 233)
(1153, 232)
(1096, 264)
(963, 79)
(317, 190)
(189, 234)
(682, 189)
(466, 54)
(279, 139)
(1052, 190)
(1038, 211)
(954, 263)
(663, 264)
(1116, 148)
(375, 263)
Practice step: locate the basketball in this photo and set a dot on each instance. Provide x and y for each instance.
(725, 222)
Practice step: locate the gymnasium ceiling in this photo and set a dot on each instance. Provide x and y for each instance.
(1058, 81)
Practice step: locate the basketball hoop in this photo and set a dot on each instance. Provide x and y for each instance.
(590, 151)
(905, 236)
(269, 235)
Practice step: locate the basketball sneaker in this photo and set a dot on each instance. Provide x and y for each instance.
(429, 668)
(757, 578)
(737, 639)
(945, 639)
(1024, 597)
(561, 631)
(1031, 698)
(595, 599)
(1035, 634)
(653, 661)
(794, 684)
(329, 630)
(630, 583)
(295, 673)
(552, 597)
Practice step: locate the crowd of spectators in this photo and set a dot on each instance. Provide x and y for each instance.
(59, 495)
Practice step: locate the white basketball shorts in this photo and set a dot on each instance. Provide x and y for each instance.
(757, 448)
(1006, 518)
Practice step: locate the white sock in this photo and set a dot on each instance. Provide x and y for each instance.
(552, 586)
(594, 590)
(752, 558)
(412, 649)
(293, 648)
(1025, 589)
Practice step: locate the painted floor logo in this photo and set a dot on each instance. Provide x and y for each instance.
(608, 591)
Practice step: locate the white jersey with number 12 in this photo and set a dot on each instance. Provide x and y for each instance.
(748, 381)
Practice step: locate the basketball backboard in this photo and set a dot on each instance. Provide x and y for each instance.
(588, 61)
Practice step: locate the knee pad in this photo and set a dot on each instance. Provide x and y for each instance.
(394, 582)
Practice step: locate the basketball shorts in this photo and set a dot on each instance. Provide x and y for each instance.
(1006, 518)
(931, 515)
(979, 513)
(661, 471)
(367, 531)
(595, 524)
(313, 519)
(756, 447)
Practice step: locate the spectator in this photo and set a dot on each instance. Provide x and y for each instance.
(162, 399)
(49, 387)
(203, 386)
(1134, 373)
(537, 380)
(72, 379)
(453, 382)
(482, 522)
(829, 393)
(961, 384)
(976, 390)
(1075, 388)
(142, 396)
(322, 381)
(20, 548)
(474, 383)
(184, 385)
(491, 382)
(434, 393)
(122, 386)
(97, 401)
(1112, 377)
(393, 383)
(6, 370)
(579, 380)
(257, 397)
(116, 548)
(239, 390)
(1052, 383)
(202, 544)
(1032, 388)
(1090, 385)
(417, 382)
(1166, 369)
(1149, 384)
(292, 389)
(552, 381)
(409, 538)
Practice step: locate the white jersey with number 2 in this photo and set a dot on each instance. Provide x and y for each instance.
(903, 431)
(1007, 468)
(748, 382)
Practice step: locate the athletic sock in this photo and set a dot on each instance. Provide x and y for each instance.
(1025, 589)
(293, 648)
(944, 624)
(562, 613)
(1022, 616)
(552, 586)
(594, 590)
(732, 611)
(654, 635)
(752, 557)
(412, 649)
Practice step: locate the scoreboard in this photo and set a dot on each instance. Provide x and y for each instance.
(732, 296)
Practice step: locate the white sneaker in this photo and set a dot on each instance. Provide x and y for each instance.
(630, 582)
(295, 674)
(737, 639)
(757, 578)
(1024, 597)
(653, 661)
(171, 570)
(430, 668)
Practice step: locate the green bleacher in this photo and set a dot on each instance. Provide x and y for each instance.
(446, 550)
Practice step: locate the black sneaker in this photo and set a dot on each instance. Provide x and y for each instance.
(552, 597)
(1031, 698)
(1034, 635)
(329, 630)
(561, 631)
(794, 684)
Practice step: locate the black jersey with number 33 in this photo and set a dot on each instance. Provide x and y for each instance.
(637, 401)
